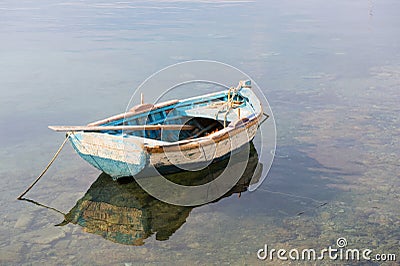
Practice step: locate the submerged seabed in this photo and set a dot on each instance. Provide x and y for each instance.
(343, 154)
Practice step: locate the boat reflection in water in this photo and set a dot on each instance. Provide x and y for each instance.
(123, 212)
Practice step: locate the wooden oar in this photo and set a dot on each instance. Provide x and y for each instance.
(128, 128)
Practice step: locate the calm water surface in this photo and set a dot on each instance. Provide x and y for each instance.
(330, 70)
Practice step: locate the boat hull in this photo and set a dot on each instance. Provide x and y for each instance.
(110, 154)
(130, 156)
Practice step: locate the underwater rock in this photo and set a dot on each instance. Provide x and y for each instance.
(143, 251)
(194, 245)
(23, 221)
(45, 235)
(11, 253)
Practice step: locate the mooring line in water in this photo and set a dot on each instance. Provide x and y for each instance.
(45, 169)
(291, 195)
(321, 203)
(42, 205)
(316, 207)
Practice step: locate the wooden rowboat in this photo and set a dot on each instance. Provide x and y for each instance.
(171, 135)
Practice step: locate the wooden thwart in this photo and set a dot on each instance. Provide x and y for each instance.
(128, 128)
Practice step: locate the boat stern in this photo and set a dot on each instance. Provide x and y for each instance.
(114, 155)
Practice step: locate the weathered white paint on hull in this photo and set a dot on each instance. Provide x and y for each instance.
(110, 147)
(206, 150)
(133, 152)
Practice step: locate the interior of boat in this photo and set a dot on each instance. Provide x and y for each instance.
(204, 115)
(201, 126)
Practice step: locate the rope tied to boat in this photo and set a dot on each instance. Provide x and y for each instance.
(46, 168)
(229, 103)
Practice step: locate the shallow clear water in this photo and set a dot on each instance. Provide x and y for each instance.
(331, 72)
